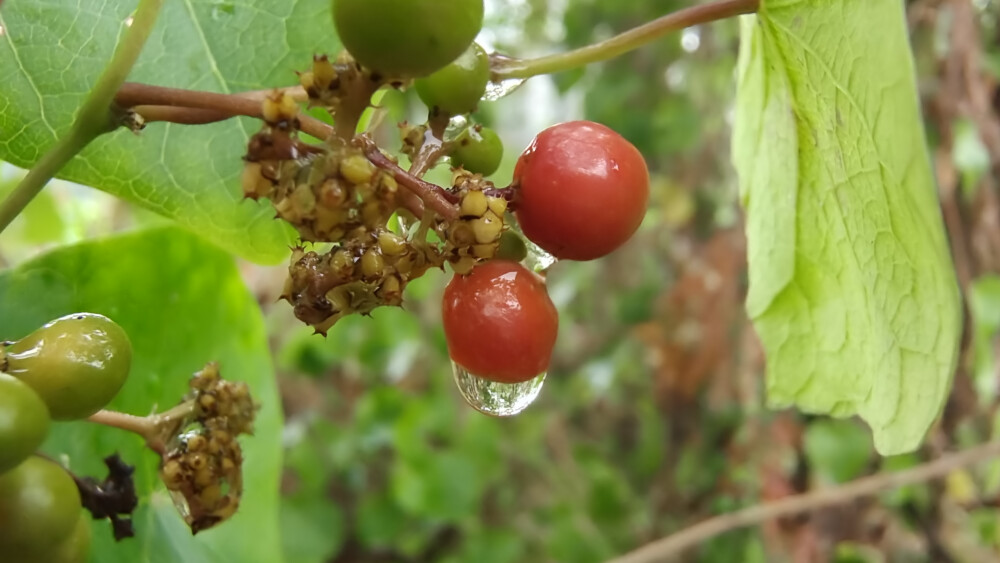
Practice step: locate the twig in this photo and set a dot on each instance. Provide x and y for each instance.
(133, 94)
(151, 428)
(674, 545)
(94, 118)
(503, 68)
(432, 195)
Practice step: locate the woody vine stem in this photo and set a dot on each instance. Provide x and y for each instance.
(102, 111)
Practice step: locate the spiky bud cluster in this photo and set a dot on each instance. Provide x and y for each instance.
(333, 193)
(356, 277)
(202, 467)
(327, 197)
(340, 83)
(475, 235)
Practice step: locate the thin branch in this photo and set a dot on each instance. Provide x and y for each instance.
(674, 545)
(152, 428)
(506, 68)
(432, 195)
(133, 94)
(94, 118)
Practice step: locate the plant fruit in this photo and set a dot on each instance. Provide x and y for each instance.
(457, 88)
(24, 422)
(39, 509)
(499, 322)
(75, 548)
(477, 149)
(407, 38)
(76, 363)
(583, 190)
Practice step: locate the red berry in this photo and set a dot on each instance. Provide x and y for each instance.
(499, 322)
(583, 190)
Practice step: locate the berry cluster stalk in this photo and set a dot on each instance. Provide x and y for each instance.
(503, 68)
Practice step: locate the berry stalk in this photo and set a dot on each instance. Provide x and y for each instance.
(151, 428)
(432, 195)
(504, 68)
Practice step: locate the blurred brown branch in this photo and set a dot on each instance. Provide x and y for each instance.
(674, 545)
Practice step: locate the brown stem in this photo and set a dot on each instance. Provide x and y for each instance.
(184, 116)
(133, 94)
(432, 195)
(674, 545)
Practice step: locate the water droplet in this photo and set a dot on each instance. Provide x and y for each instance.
(456, 125)
(497, 90)
(496, 399)
(691, 39)
(128, 21)
(537, 260)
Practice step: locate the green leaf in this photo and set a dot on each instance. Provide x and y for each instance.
(183, 304)
(852, 289)
(51, 53)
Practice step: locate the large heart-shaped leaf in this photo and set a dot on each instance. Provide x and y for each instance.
(51, 53)
(852, 288)
(183, 304)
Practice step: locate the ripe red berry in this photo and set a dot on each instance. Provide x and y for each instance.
(583, 190)
(499, 322)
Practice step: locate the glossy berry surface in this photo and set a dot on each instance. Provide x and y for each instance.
(73, 549)
(457, 88)
(407, 38)
(499, 322)
(76, 363)
(39, 509)
(583, 190)
(477, 149)
(24, 422)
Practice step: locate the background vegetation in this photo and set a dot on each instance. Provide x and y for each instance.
(651, 417)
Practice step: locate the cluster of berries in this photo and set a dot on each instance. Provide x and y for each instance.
(579, 192)
(201, 467)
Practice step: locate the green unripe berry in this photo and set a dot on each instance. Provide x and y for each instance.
(75, 548)
(76, 364)
(457, 88)
(407, 38)
(24, 422)
(39, 509)
(478, 149)
(511, 247)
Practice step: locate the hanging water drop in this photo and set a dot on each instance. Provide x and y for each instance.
(496, 399)
(497, 90)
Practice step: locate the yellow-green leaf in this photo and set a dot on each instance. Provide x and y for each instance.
(852, 288)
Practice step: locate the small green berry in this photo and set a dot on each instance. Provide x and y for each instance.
(24, 422)
(407, 38)
(39, 509)
(457, 88)
(512, 247)
(76, 363)
(478, 149)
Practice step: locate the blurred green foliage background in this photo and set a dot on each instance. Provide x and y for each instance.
(651, 417)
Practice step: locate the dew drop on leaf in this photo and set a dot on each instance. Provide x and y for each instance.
(496, 399)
